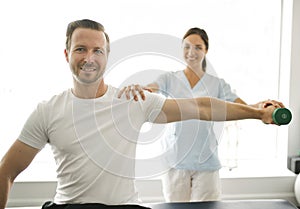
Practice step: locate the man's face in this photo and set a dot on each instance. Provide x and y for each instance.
(87, 56)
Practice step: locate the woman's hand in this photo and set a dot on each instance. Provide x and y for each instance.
(133, 91)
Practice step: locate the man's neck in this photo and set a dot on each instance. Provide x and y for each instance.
(90, 91)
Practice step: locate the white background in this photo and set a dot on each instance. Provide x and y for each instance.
(244, 50)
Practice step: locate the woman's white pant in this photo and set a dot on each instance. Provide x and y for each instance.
(186, 186)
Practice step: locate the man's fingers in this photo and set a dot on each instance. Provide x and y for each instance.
(274, 103)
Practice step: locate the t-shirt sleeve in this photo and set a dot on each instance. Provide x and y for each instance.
(153, 104)
(226, 92)
(163, 83)
(34, 130)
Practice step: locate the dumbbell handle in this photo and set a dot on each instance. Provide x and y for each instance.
(282, 116)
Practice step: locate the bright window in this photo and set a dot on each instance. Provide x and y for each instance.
(244, 50)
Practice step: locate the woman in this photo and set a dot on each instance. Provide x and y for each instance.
(194, 175)
(192, 145)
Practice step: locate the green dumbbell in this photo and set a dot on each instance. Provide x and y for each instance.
(282, 116)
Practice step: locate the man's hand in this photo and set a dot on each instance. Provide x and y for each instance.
(267, 113)
(133, 91)
(266, 103)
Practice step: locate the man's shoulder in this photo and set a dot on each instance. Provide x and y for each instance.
(154, 100)
(154, 95)
(57, 98)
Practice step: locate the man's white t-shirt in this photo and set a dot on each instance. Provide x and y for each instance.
(93, 142)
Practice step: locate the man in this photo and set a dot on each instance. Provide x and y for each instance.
(93, 133)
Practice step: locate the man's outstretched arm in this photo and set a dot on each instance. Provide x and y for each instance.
(208, 108)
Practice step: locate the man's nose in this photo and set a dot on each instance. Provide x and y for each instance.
(89, 57)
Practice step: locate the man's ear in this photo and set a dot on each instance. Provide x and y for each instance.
(66, 55)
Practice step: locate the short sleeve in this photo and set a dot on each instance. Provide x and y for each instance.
(34, 130)
(226, 92)
(163, 83)
(153, 105)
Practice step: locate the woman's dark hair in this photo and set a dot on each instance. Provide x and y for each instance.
(203, 35)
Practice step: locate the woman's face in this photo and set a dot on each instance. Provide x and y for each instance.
(194, 50)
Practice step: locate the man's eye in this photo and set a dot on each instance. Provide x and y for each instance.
(99, 51)
(79, 49)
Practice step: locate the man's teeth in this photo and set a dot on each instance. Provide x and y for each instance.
(88, 69)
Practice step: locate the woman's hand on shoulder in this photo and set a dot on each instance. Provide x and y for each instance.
(132, 91)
